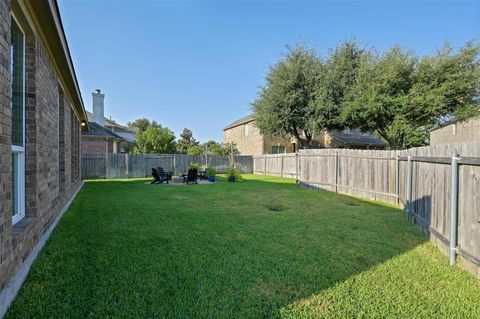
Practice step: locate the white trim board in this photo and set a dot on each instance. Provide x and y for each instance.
(8, 294)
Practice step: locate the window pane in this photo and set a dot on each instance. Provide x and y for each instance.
(15, 194)
(17, 75)
(278, 149)
(245, 130)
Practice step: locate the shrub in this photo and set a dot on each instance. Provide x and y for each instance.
(195, 165)
(233, 172)
(211, 171)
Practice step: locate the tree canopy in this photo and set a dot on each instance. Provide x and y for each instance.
(186, 141)
(303, 94)
(396, 94)
(213, 148)
(286, 103)
(401, 96)
(155, 140)
(143, 123)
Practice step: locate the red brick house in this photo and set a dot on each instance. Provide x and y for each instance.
(41, 118)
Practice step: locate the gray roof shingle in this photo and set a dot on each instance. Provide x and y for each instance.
(96, 130)
(243, 120)
(356, 139)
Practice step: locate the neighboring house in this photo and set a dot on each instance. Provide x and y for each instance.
(249, 141)
(456, 132)
(105, 135)
(41, 118)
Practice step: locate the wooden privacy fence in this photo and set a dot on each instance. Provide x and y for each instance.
(108, 165)
(418, 179)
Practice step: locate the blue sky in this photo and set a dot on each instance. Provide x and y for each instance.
(199, 64)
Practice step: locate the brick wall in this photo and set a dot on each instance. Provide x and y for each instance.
(467, 131)
(256, 144)
(270, 142)
(45, 168)
(5, 143)
(93, 145)
(246, 145)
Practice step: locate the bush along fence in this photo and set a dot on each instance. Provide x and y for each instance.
(438, 187)
(108, 165)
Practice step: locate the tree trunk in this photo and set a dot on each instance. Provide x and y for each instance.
(392, 143)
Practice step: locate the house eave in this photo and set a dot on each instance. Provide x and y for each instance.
(238, 124)
(47, 21)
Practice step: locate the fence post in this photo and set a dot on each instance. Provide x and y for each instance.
(281, 167)
(126, 166)
(296, 167)
(454, 210)
(106, 165)
(146, 165)
(337, 168)
(408, 200)
(265, 164)
(397, 178)
(174, 165)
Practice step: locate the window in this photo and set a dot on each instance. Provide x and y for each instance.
(348, 131)
(245, 130)
(17, 76)
(454, 129)
(278, 149)
(61, 142)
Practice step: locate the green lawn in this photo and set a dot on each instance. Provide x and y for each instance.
(259, 249)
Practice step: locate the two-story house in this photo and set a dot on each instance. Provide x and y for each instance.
(250, 141)
(456, 132)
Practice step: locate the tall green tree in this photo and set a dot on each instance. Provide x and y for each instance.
(447, 85)
(155, 140)
(335, 82)
(213, 148)
(304, 95)
(380, 96)
(401, 96)
(186, 141)
(142, 124)
(286, 103)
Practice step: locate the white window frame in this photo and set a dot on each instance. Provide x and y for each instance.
(20, 150)
(245, 130)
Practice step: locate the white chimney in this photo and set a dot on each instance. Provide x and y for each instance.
(98, 107)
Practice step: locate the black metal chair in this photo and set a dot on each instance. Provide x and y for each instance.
(159, 176)
(163, 174)
(191, 176)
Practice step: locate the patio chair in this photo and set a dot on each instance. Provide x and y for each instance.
(163, 174)
(158, 177)
(191, 176)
